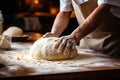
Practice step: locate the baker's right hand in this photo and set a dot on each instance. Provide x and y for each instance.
(49, 34)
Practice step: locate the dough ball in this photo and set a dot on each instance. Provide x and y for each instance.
(13, 31)
(4, 43)
(44, 49)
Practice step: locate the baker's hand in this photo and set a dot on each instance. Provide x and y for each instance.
(49, 34)
(65, 44)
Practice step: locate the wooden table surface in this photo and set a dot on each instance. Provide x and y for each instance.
(103, 68)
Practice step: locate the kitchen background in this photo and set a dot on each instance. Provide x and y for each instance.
(33, 15)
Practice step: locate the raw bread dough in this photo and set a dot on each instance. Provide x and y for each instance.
(4, 43)
(44, 48)
(13, 31)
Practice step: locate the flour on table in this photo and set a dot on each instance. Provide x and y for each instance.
(19, 63)
(22, 56)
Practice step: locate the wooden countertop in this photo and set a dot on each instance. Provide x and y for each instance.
(92, 65)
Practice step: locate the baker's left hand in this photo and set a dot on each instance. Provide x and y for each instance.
(65, 44)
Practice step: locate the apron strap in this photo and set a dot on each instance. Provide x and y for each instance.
(83, 10)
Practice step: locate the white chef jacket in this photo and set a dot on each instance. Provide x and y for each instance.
(66, 5)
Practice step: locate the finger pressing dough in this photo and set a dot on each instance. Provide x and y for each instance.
(4, 43)
(13, 31)
(44, 49)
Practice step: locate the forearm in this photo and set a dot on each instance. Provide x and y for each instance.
(91, 23)
(60, 23)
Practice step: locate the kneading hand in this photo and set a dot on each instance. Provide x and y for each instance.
(49, 34)
(65, 44)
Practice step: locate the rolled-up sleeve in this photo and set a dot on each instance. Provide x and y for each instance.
(66, 5)
(111, 2)
(102, 1)
(115, 9)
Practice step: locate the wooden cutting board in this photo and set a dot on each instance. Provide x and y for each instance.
(17, 63)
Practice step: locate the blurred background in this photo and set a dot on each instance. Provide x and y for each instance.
(33, 15)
